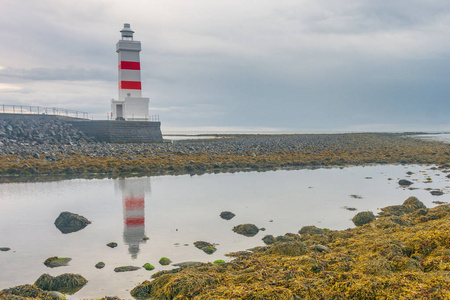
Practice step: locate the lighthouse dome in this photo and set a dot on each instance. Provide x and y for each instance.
(127, 33)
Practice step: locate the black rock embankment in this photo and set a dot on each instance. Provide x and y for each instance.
(36, 131)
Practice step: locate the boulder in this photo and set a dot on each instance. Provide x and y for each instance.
(246, 229)
(66, 283)
(268, 239)
(311, 230)
(26, 291)
(68, 222)
(363, 217)
(164, 261)
(227, 215)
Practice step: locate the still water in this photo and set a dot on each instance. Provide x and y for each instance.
(176, 211)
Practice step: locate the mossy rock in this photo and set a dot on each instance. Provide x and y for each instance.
(311, 230)
(219, 261)
(66, 283)
(208, 248)
(148, 267)
(363, 217)
(54, 262)
(68, 222)
(4, 249)
(246, 229)
(100, 265)
(112, 245)
(164, 261)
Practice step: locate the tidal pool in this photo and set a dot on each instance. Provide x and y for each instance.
(175, 211)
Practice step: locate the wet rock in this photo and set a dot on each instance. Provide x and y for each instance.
(5, 249)
(405, 182)
(208, 248)
(246, 229)
(268, 239)
(68, 222)
(54, 262)
(437, 193)
(363, 217)
(227, 215)
(112, 245)
(188, 264)
(164, 261)
(66, 283)
(126, 269)
(219, 261)
(100, 265)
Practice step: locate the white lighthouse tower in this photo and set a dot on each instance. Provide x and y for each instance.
(130, 106)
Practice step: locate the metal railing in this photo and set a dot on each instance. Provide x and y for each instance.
(39, 110)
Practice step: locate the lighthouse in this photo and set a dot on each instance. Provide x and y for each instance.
(130, 105)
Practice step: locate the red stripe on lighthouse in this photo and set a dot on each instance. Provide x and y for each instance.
(131, 222)
(129, 65)
(130, 85)
(134, 203)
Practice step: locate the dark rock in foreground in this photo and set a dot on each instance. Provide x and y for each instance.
(363, 217)
(246, 229)
(54, 262)
(126, 269)
(66, 283)
(68, 222)
(227, 215)
(208, 248)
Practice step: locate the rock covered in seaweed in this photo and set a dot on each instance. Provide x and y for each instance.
(409, 205)
(28, 291)
(246, 229)
(208, 248)
(363, 217)
(66, 283)
(126, 269)
(68, 222)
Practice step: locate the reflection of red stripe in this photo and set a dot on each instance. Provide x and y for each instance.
(134, 203)
(129, 65)
(134, 222)
(130, 85)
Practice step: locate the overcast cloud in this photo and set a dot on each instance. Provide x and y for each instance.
(303, 65)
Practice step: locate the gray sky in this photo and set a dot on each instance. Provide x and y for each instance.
(303, 65)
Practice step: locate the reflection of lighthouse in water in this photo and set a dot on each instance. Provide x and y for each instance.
(133, 197)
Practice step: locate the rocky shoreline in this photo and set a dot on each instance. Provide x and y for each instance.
(227, 153)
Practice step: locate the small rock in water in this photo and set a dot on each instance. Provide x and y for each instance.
(148, 267)
(404, 182)
(437, 193)
(100, 265)
(68, 222)
(246, 229)
(208, 248)
(126, 269)
(227, 215)
(112, 245)
(54, 262)
(5, 249)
